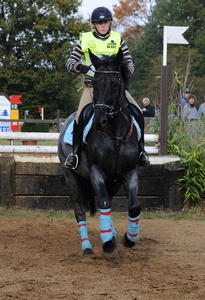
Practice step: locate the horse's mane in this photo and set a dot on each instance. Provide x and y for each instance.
(107, 61)
(125, 74)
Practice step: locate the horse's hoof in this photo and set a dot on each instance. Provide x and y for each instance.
(88, 251)
(111, 255)
(109, 246)
(126, 242)
(110, 250)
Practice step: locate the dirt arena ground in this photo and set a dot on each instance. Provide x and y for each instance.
(41, 258)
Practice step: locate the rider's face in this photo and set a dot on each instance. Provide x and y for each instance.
(102, 26)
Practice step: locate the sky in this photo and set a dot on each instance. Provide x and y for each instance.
(88, 6)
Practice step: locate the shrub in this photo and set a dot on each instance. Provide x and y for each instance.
(187, 142)
(189, 145)
(29, 127)
(43, 127)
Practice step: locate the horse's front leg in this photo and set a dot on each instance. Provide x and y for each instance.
(131, 187)
(107, 230)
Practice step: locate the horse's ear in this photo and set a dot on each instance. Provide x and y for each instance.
(94, 59)
(118, 58)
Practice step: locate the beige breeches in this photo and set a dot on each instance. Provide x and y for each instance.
(87, 96)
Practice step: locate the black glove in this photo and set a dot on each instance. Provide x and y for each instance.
(83, 69)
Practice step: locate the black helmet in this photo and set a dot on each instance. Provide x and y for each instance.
(101, 14)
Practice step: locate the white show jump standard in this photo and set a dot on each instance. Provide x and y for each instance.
(46, 136)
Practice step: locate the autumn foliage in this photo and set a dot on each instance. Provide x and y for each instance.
(128, 15)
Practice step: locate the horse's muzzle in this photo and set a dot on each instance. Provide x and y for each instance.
(101, 126)
(100, 120)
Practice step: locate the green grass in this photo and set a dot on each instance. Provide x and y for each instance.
(16, 142)
(34, 213)
(15, 212)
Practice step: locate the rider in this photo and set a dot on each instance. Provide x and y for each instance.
(101, 41)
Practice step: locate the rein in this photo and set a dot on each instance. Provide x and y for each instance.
(107, 72)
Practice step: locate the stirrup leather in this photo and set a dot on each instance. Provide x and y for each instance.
(71, 167)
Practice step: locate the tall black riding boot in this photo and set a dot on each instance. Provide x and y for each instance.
(143, 160)
(71, 161)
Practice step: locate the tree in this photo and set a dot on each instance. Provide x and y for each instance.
(146, 48)
(182, 62)
(149, 46)
(36, 37)
(130, 17)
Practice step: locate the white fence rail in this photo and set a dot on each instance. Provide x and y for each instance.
(31, 136)
(40, 136)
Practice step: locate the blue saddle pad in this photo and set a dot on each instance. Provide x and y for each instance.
(68, 137)
(137, 127)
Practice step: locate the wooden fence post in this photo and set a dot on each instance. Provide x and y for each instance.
(172, 195)
(7, 181)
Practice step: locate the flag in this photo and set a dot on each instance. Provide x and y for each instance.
(41, 111)
(15, 98)
(173, 34)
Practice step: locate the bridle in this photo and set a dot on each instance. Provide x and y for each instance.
(110, 108)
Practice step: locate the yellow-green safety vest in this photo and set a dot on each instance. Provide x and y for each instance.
(99, 47)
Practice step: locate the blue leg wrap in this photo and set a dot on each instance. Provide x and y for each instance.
(83, 229)
(114, 232)
(105, 225)
(133, 228)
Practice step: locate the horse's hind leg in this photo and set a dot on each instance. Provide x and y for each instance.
(82, 224)
(80, 215)
(132, 234)
(85, 242)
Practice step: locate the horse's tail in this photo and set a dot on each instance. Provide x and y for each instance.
(88, 195)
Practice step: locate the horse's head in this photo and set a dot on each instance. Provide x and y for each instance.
(108, 87)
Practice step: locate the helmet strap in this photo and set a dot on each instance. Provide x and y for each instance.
(100, 36)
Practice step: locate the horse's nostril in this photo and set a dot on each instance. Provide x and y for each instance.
(100, 127)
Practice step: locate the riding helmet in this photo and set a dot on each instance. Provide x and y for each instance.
(101, 14)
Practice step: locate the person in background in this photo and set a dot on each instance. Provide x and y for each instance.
(185, 96)
(189, 112)
(148, 110)
(98, 41)
(201, 110)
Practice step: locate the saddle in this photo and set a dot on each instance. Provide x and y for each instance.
(86, 121)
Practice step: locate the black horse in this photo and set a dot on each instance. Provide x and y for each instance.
(108, 159)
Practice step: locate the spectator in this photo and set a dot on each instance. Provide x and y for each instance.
(189, 111)
(201, 110)
(185, 96)
(148, 110)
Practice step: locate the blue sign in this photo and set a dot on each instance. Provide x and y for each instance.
(5, 108)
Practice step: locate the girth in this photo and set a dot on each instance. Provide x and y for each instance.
(113, 137)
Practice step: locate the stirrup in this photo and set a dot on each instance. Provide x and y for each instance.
(70, 166)
(146, 156)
